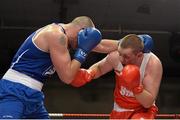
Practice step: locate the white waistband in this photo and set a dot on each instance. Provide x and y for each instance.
(120, 109)
(15, 76)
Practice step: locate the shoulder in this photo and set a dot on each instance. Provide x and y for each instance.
(53, 30)
(54, 38)
(155, 60)
(53, 34)
(154, 63)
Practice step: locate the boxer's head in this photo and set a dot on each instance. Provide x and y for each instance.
(130, 49)
(78, 24)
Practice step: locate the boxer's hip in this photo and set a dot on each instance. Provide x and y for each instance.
(15, 85)
(31, 99)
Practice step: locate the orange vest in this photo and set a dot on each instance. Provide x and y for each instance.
(124, 97)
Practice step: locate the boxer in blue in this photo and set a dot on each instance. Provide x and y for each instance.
(42, 53)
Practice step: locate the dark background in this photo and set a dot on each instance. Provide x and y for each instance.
(114, 18)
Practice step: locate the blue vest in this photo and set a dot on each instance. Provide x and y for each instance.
(32, 61)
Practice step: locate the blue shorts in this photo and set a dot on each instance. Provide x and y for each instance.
(20, 101)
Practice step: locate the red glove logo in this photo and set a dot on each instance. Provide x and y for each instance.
(130, 78)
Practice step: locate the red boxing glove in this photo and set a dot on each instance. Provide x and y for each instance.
(131, 77)
(82, 77)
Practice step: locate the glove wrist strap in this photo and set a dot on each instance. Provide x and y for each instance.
(80, 55)
(92, 74)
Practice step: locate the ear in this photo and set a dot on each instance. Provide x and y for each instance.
(140, 54)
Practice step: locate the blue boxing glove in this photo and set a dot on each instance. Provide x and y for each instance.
(148, 42)
(88, 38)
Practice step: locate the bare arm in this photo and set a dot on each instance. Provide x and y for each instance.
(151, 84)
(65, 67)
(105, 65)
(106, 46)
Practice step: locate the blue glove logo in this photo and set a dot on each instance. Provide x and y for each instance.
(83, 53)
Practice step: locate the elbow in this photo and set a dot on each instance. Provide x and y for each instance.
(66, 74)
(148, 104)
(67, 79)
(146, 100)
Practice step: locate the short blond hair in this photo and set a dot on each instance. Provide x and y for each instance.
(132, 41)
(83, 22)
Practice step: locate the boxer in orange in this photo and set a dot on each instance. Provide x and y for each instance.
(138, 76)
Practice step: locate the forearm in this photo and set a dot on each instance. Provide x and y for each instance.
(102, 67)
(96, 70)
(145, 98)
(106, 46)
(67, 73)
